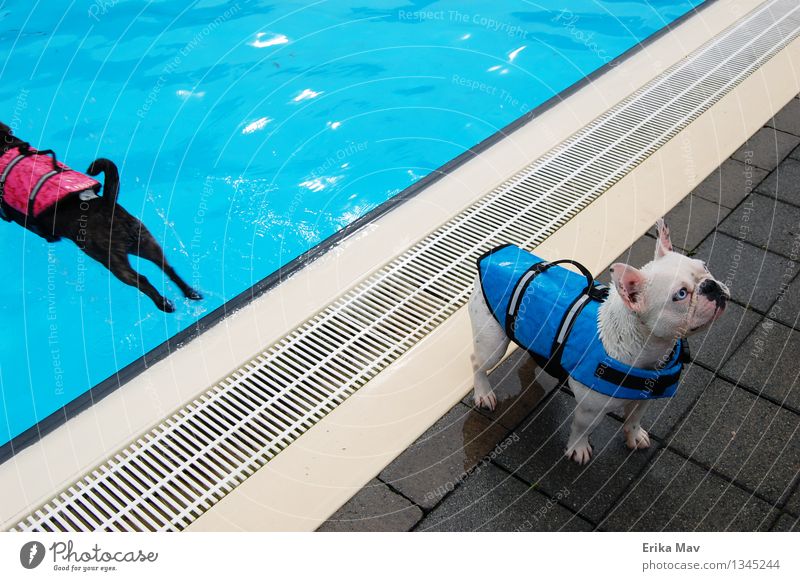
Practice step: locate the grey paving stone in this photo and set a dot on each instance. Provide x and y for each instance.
(787, 308)
(676, 495)
(714, 346)
(793, 504)
(767, 223)
(374, 508)
(788, 118)
(664, 414)
(743, 437)
(538, 458)
(493, 500)
(786, 524)
(637, 254)
(753, 275)
(766, 148)
(730, 183)
(519, 386)
(444, 455)
(784, 182)
(692, 219)
(767, 362)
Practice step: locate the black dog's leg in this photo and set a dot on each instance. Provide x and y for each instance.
(150, 250)
(121, 268)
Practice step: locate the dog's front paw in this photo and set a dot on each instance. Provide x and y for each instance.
(580, 452)
(487, 401)
(637, 438)
(166, 305)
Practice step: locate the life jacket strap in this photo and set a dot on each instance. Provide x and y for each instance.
(564, 328)
(57, 169)
(655, 385)
(3, 178)
(37, 188)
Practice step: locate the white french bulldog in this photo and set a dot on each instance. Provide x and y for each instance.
(646, 311)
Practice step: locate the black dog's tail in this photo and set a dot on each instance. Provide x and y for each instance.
(111, 185)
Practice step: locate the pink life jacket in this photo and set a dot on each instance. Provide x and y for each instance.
(31, 181)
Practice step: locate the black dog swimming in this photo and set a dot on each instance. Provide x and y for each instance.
(57, 202)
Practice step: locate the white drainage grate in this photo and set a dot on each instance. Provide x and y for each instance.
(171, 475)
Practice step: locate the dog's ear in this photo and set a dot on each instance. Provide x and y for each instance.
(5, 128)
(663, 243)
(630, 283)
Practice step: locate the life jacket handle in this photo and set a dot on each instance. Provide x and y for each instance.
(52, 155)
(542, 266)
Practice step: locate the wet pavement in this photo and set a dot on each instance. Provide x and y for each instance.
(725, 451)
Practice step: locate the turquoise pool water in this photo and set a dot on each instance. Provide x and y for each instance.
(247, 133)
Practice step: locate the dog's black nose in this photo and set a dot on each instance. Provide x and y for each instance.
(713, 292)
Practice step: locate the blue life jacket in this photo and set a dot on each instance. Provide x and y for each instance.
(551, 312)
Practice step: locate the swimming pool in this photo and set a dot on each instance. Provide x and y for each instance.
(247, 134)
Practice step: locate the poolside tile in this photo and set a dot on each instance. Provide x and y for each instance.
(692, 219)
(730, 183)
(675, 494)
(444, 455)
(753, 275)
(538, 458)
(766, 148)
(743, 437)
(767, 223)
(493, 500)
(788, 118)
(374, 508)
(787, 308)
(784, 182)
(787, 523)
(767, 363)
(793, 504)
(519, 386)
(664, 414)
(714, 346)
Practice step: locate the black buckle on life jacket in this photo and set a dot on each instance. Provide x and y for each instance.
(684, 355)
(598, 292)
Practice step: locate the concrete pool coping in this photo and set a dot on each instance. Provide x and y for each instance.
(312, 477)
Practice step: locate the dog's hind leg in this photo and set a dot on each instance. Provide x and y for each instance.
(120, 267)
(490, 343)
(150, 250)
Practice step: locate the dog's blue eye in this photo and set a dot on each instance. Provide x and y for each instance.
(681, 294)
